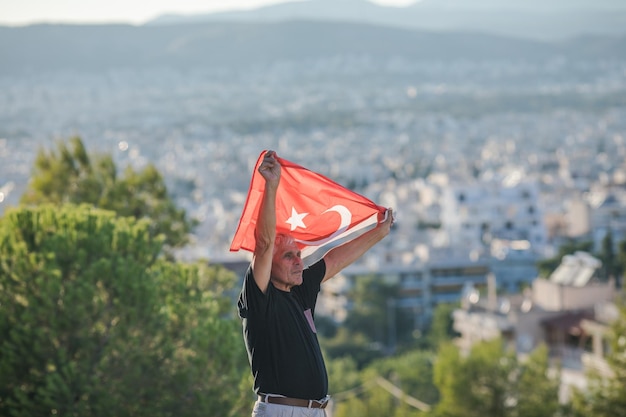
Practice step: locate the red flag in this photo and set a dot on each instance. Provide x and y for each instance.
(318, 212)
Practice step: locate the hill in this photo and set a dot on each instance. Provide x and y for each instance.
(531, 19)
(224, 44)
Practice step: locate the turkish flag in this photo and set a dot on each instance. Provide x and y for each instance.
(319, 213)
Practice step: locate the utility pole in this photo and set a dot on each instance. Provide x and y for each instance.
(391, 326)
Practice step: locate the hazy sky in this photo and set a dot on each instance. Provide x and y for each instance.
(20, 12)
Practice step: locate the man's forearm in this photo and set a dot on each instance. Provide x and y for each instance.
(344, 255)
(266, 223)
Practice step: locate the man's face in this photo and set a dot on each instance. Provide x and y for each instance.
(286, 266)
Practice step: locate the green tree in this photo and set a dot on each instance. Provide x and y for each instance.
(621, 263)
(547, 266)
(370, 314)
(610, 265)
(391, 387)
(490, 382)
(606, 394)
(343, 374)
(377, 316)
(537, 389)
(412, 372)
(94, 323)
(477, 385)
(441, 329)
(71, 175)
(376, 326)
(364, 335)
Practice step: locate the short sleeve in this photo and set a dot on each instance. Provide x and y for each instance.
(311, 283)
(251, 298)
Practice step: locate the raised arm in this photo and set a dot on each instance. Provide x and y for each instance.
(265, 232)
(342, 256)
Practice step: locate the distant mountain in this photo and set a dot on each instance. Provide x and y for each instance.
(221, 44)
(530, 19)
(536, 5)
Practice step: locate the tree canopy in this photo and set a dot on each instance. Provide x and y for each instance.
(606, 394)
(72, 175)
(491, 382)
(547, 266)
(94, 323)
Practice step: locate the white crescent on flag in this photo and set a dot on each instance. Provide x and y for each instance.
(346, 218)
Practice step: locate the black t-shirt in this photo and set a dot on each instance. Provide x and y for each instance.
(280, 336)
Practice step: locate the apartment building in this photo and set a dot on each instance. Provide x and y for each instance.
(562, 312)
(608, 215)
(476, 213)
(423, 284)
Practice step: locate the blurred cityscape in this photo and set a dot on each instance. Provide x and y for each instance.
(467, 154)
(491, 161)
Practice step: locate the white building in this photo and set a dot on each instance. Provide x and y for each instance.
(608, 214)
(474, 214)
(423, 284)
(514, 264)
(499, 218)
(558, 312)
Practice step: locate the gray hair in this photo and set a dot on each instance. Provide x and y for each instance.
(283, 239)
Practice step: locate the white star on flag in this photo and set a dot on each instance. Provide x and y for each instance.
(296, 219)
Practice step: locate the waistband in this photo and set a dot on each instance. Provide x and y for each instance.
(294, 402)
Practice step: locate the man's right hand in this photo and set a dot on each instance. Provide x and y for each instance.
(265, 232)
(270, 168)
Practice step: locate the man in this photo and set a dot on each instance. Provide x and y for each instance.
(277, 304)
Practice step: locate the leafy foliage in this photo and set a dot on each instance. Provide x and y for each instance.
(442, 325)
(492, 382)
(606, 395)
(412, 372)
(94, 323)
(368, 396)
(71, 175)
(547, 266)
(375, 327)
(537, 390)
